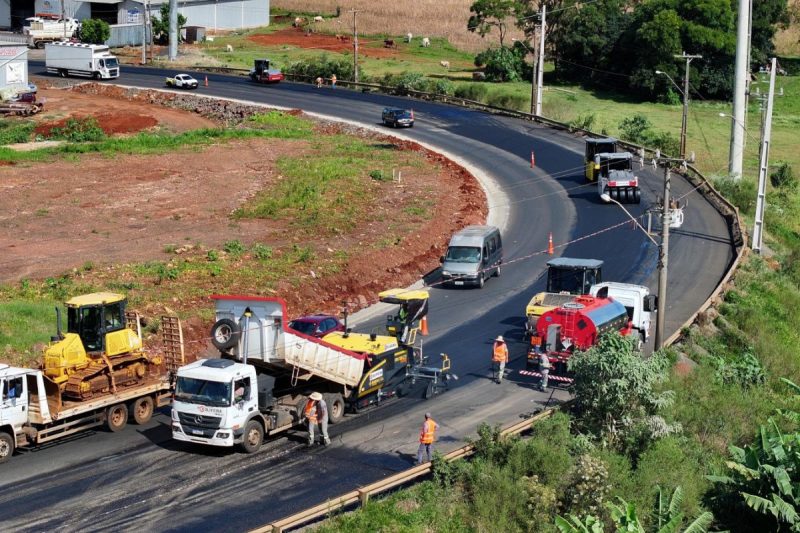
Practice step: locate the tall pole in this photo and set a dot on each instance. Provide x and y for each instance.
(685, 118)
(763, 168)
(739, 92)
(173, 30)
(64, 18)
(540, 74)
(144, 34)
(355, 48)
(663, 254)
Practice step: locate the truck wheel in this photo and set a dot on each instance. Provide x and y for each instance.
(497, 272)
(6, 447)
(142, 410)
(428, 391)
(40, 45)
(225, 334)
(637, 196)
(335, 406)
(62, 73)
(117, 417)
(253, 436)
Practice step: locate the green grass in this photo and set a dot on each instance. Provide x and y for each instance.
(272, 125)
(24, 323)
(16, 131)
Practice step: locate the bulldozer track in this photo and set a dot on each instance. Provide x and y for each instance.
(98, 368)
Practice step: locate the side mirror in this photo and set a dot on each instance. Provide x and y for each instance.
(650, 303)
(441, 259)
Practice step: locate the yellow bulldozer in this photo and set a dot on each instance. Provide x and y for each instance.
(101, 350)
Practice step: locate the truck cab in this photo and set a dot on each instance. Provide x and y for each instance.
(13, 407)
(594, 147)
(638, 302)
(216, 403)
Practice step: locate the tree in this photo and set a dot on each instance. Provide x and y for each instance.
(95, 31)
(488, 14)
(615, 396)
(504, 64)
(767, 15)
(161, 24)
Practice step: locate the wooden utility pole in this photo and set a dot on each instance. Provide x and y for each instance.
(684, 121)
(355, 47)
(663, 256)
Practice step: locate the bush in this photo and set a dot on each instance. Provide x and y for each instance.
(639, 130)
(234, 248)
(262, 251)
(583, 122)
(95, 31)
(741, 192)
(472, 91)
(79, 130)
(323, 67)
(509, 101)
(12, 131)
(502, 64)
(782, 177)
(440, 86)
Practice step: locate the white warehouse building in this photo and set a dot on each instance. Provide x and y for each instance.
(211, 14)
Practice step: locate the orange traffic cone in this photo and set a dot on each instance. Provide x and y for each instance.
(205, 83)
(550, 244)
(423, 326)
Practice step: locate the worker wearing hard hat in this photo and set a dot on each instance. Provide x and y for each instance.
(499, 359)
(316, 412)
(426, 437)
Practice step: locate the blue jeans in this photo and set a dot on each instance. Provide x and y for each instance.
(424, 448)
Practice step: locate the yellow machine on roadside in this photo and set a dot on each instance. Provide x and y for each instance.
(101, 350)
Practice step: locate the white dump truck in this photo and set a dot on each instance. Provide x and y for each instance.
(267, 371)
(40, 32)
(79, 59)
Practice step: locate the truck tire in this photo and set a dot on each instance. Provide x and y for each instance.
(225, 334)
(253, 436)
(481, 280)
(428, 394)
(637, 196)
(117, 417)
(62, 72)
(6, 446)
(335, 406)
(142, 410)
(497, 272)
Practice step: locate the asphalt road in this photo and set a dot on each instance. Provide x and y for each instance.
(139, 478)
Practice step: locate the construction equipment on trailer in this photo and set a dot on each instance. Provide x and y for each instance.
(96, 373)
(261, 72)
(275, 369)
(594, 147)
(566, 277)
(616, 178)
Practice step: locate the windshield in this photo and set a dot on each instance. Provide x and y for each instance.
(111, 62)
(306, 328)
(463, 254)
(573, 281)
(203, 391)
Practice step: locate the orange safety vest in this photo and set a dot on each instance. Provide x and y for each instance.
(311, 411)
(500, 354)
(426, 436)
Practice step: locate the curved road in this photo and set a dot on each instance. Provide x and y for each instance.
(140, 479)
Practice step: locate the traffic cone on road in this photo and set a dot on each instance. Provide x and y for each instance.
(205, 83)
(423, 326)
(550, 244)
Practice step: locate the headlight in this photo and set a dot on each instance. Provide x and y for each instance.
(176, 428)
(445, 273)
(222, 435)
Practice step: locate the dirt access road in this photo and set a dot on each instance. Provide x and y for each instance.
(59, 215)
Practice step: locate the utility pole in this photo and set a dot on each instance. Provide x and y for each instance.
(739, 91)
(540, 74)
(64, 18)
(144, 34)
(763, 168)
(663, 255)
(684, 121)
(355, 47)
(173, 30)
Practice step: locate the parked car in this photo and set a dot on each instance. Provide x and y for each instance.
(398, 117)
(316, 325)
(182, 81)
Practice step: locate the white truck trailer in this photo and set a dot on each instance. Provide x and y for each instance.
(78, 59)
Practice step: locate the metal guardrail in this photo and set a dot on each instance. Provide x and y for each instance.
(361, 495)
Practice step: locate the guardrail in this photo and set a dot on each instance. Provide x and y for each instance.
(361, 495)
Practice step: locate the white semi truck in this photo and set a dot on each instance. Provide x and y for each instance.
(78, 59)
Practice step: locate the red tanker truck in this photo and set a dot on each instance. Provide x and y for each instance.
(577, 325)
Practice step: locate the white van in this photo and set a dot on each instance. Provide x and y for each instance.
(474, 254)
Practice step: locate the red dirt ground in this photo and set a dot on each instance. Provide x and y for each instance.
(59, 215)
(297, 37)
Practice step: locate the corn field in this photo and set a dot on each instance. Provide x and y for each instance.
(421, 18)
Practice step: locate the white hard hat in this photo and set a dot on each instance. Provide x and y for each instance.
(500, 338)
(316, 396)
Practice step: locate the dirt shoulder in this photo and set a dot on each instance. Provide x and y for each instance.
(98, 218)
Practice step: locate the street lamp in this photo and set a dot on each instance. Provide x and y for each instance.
(685, 111)
(533, 77)
(662, 268)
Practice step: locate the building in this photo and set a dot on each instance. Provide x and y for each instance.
(213, 14)
(13, 67)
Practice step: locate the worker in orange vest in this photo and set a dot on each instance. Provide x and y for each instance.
(316, 412)
(426, 437)
(499, 359)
